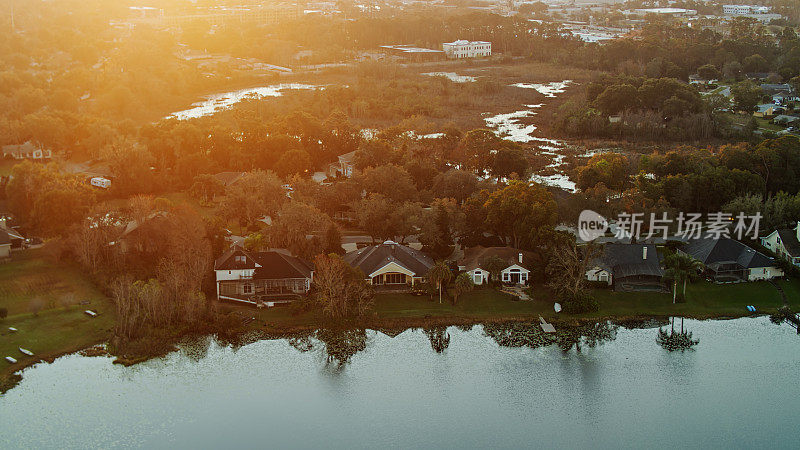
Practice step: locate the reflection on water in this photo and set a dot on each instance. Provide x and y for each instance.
(675, 340)
(439, 337)
(600, 385)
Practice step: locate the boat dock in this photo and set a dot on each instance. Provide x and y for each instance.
(546, 327)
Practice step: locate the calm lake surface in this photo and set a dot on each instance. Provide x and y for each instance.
(739, 388)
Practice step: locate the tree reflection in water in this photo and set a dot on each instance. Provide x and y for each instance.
(673, 341)
(341, 345)
(520, 334)
(517, 334)
(590, 335)
(439, 337)
(195, 347)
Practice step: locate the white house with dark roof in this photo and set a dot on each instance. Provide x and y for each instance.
(785, 243)
(267, 277)
(391, 265)
(517, 270)
(729, 261)
(628, 267)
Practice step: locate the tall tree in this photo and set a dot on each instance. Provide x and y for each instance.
(514, 210)
(339, 290)
(681, 267)
(255, 195)
(462, 284)
(439, 275)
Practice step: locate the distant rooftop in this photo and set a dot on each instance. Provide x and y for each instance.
(410, 49)
(466, 42)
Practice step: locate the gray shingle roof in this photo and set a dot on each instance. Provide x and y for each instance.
(726, 251)
(369, 259)
(625, 260)
(790, 242)
(476, 256)
(274, 264)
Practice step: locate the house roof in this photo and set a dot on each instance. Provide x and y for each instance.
(625, 260)
(134, 225)
(370, 259)
(268, 265)
(726, 251)
(765, 107)
(10, 232)
(790, 242)
(347, 158)
(475, 257)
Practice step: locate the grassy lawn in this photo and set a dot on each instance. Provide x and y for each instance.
(56, 329)
(479, 303)
(763, 124)
(703, 300)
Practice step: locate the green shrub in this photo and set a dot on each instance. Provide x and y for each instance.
(581, 303)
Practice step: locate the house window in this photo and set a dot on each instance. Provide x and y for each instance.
(247, 289)
(395, 278)
(241, 259)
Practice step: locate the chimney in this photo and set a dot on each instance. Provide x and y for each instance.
(520, 257)
(644, 252)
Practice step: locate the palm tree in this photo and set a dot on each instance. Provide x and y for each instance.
(463, 284)
(681, 266)
(439, 275)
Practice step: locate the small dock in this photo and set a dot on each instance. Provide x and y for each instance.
(546, 327)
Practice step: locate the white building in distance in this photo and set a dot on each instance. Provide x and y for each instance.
(744, 10)
(467, 49)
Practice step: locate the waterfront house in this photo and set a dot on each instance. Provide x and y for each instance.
(391, 265)
(267, 277)
(729, 261)
(628, 267)
(517, 269)
(785, 243)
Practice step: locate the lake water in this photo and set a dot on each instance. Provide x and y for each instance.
(738, 388)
